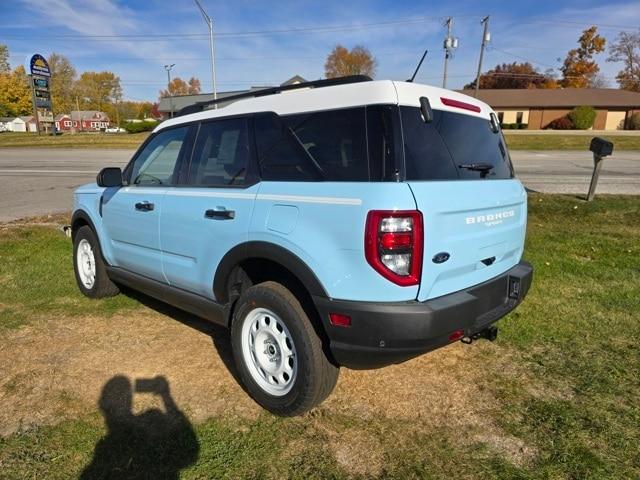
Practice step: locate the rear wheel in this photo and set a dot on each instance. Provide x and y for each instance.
(278, 353)
(89, 266)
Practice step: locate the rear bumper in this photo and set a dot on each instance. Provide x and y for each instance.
(384, 333)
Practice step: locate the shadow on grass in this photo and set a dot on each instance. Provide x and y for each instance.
(153, 444)
(219, 335)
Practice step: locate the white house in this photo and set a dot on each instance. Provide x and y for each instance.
(20, 124)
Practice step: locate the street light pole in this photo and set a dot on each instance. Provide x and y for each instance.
(209, 22)
(168, 69)
(485, 39)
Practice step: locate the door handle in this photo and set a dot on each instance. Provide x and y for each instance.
(220, 213)
(145, 206)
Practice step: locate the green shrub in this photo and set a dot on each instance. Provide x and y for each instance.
(137, 127)
(582, 117)
(523, 126)
(633, 122)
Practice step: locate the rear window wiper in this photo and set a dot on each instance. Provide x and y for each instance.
(478, 167)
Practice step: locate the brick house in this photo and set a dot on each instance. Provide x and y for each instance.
(538, 107)
(82, 121)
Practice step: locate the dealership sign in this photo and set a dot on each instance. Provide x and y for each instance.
(40, 80)
(39, 66)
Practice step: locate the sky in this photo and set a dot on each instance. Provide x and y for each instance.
(265, 43)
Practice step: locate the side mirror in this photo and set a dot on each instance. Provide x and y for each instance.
(601, 147)
(109, 177)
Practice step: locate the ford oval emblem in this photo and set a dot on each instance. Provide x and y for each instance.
(441, 257)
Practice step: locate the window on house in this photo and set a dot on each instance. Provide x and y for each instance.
(501, 117)
(519, 116)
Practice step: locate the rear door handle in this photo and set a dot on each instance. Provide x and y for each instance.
(220, 213)
(145, 206)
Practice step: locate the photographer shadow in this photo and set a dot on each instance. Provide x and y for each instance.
(153, 444)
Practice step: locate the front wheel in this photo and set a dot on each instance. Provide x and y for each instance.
(278, 353)
(89, 266)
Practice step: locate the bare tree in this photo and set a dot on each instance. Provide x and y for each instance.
(626, 49)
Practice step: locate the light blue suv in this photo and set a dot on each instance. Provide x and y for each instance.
(342, 222)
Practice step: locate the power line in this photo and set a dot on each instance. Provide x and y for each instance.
(165, 36)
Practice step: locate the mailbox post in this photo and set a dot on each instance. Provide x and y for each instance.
(601, 148)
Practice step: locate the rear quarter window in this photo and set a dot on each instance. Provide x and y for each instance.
(440, 150)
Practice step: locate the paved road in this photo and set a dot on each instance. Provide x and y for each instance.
(39, 181)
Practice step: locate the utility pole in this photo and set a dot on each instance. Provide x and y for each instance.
(168, 69)
(209, 22)
(486, 38)
(79, 114)
(450, 43)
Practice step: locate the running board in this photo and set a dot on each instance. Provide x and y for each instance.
(190, 302)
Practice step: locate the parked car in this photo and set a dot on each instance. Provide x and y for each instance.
(115, 130)
(345, 223)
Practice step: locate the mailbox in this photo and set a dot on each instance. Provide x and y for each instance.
(601, 147)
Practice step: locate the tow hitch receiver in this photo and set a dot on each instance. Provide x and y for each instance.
(489, 333)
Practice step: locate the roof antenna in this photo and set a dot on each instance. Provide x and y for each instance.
(418, 67)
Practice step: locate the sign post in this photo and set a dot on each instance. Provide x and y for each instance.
(40, 80)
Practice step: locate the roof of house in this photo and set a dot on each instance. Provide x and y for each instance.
(88, 115)
(6, 119)
(560, 97)
(27, 119)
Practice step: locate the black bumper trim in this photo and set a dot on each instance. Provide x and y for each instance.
(392, 332)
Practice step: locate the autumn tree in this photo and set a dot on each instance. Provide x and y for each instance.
(63, 83)
(15, 93)
(4, 59)
(99, 91)
(180, 87)
(626, 49)
(579, 68)
(514, 75)
(341, 62)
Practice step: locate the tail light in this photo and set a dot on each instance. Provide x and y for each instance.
(393, 243)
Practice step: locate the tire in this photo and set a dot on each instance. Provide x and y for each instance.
(289, 373)
(90, 267)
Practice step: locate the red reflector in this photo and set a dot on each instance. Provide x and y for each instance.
(395, 240)
(458, 104)
(457, 335)
(340, 320)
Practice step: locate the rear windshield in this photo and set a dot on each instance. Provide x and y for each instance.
(453, 146)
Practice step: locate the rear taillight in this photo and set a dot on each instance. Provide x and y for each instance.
(393, 243)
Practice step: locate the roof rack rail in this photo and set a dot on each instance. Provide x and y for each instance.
(329, 82)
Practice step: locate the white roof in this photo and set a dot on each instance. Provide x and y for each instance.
(340, 96)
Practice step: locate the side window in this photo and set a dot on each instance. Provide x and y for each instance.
(221, 155)
(280, 158)
(328, 145)
(156, 163)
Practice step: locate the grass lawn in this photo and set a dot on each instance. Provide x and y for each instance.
(567, 142)
(67, 140)
(556, 396)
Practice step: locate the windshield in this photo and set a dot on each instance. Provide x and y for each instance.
(453, 146)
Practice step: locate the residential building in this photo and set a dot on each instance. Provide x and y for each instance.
(20, 124)
(82, 121)
(536, 108)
